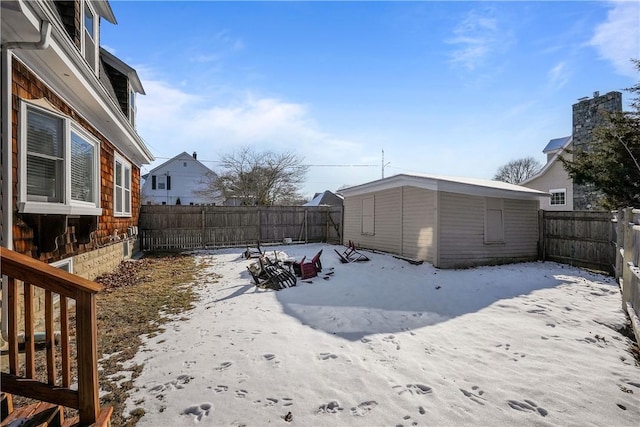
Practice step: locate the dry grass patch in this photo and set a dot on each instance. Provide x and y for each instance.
(139, 298)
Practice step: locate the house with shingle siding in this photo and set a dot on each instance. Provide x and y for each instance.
(71, 155)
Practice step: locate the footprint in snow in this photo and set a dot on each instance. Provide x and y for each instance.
(223, 366)
(418, 389)
(364, 408)
(527, 406)
(332, 407)
(198, 411)
(475, 395)
(327, 356)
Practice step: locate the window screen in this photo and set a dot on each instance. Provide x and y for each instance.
(45, 157)
(82, 169)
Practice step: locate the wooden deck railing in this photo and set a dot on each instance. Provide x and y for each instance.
(27, 382)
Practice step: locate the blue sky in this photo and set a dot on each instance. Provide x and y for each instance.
(450, 88)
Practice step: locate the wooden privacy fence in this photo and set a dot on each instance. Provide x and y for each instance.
(579, 238)
(627, 267)
(178, 227)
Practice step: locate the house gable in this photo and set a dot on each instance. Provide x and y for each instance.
(182, 179)
(553, 179)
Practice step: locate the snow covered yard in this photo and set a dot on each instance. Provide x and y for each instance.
(387, 343)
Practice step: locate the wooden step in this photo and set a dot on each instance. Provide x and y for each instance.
(6, 405)
(41, 414)
(103, 420)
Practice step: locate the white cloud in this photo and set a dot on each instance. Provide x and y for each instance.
(476, 38)
(559, 75)
(618, 38)
(172, 121)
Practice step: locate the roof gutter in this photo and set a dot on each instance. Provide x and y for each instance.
(7, 149)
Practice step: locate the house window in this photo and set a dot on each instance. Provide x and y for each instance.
(558, 197)
(494, 221)
(122, 187)
(368, 216)
(132, 107)
(90, 32)
(59, 165)
(45, 156)
(83, 168)
(162, 185)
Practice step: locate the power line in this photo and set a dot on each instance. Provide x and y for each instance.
(309, 165)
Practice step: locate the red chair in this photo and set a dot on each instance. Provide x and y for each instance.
(306, 270)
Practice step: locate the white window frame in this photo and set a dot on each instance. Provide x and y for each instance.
(132, 107)
(558, 191)
(493, 221)
(66, 205)
(95, 38)
(64, 264)
(125, 196)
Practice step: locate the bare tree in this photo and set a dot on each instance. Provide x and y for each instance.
(518, 170)
(261, 178)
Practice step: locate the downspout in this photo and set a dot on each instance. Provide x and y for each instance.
(7, 149)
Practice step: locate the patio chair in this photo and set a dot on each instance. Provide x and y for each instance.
(351, 254)
(271, 275)
(308, 269)
(253, 252)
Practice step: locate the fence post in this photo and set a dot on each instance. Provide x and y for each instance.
(541, 242)
(627, 260)
(619, 257)
(204, 237)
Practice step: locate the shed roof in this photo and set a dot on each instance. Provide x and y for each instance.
(450, 184)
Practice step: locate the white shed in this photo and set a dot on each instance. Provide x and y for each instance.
(450, 222)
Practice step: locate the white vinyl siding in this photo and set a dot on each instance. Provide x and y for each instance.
(418, 228)
(462, 229)
(388, 221)
(555, 177)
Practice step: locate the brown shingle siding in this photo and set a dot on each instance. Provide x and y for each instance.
(27, 86)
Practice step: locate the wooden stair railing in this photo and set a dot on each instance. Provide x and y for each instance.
(36, 274)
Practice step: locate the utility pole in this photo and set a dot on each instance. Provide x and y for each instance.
(383, 164)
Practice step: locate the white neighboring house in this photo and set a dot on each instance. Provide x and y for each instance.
(553, 178)
(177, 181)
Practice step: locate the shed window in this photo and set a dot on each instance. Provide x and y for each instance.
(494, 221)
(368, 216)
(558, 197)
